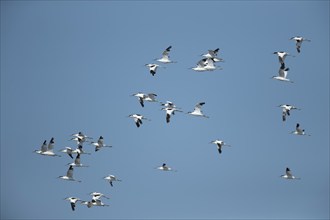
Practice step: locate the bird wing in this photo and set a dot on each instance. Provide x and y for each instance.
(69, 173)
(77, 160)
(288, 172)
(166, 51)
(44, 147)
(51, 144)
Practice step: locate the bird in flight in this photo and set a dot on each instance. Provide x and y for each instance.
(299, 40)
(150, 97)
(288, 175)
(198, 110)
(99, 144)
(47, 149)
(282, 74)
(286, 110)
(111, 178)
(219, 144)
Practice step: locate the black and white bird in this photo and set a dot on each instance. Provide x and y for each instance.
(164, 167)
(69, 175)
(165, 56)
(152, 68)
(282, 74)
(99, 144)
(288, 175)
(211, 53)
(76, 162)
(47, 149)
(198, 110)
(170, 111)
(80, 137)
(286, 110)
(73, 201)
(299, 40)
(138, 119)
(70, 151)
(299, 131)
(281, 56)
(206, 64)
(111, 178)
(98, 195)
(93, 202)
(150, 97)
(219, 144)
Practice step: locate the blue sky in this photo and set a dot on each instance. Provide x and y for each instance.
(69, 66)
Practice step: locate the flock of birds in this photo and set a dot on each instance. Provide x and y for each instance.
(207, 63)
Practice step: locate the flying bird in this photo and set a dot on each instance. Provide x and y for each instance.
(170, 111)
(219, 144)
(282, 74)
(94, 202)
(288, 175)
(281, 56)
(97, 195)
(150, 97)
(138, 119)
(80, 137)
(77, 162)
(152, 68)
(286, 110)
(198, 110)
(72, 201)
(211, 53)
(69, 175)
(111, 178)
(47, 149)
(71, 151)
(299, 131)
(165, 56)
(299, 41)
(164, 167)
(99, 144)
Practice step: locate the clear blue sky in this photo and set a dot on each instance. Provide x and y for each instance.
(69, 66)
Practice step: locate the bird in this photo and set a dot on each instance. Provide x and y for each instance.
(111, 178)
(76, 162)
(72, 201)
(80, 137)
(299, 41)
(164, 167)
(47, 149)
(219, 144)
(138, 119)
(282, 74)
(286, 110)
(281, 56)
(150, 97)
(205, 64)
(170, 111)
(211, 53)
(71, 151)
(200, 67)
(288, 175)
(99, 144)
(93, 202)
(69, 175)
(152, 68)
(198, 111)
(165, 56)
(299, 131)
(97, 195)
